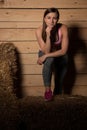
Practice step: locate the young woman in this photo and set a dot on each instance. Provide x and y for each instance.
(52, 38)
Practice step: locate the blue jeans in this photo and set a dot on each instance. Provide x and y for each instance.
(59, 66)
(60, 69)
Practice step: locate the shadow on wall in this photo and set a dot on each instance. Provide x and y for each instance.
(77, 46)
(18, 83)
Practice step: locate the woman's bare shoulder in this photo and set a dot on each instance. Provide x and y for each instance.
(39, 30)
(64, 28)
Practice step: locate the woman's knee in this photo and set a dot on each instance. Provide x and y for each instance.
(49, 61)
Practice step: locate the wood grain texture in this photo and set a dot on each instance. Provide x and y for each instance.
(35, 24)
(29, 34)
(37, 80)
(44, 4)
(37, 14)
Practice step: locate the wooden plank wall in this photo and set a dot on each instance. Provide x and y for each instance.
(18, 21)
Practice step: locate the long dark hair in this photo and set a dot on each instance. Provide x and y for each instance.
(54, 30)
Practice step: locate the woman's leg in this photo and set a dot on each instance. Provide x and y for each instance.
(47, 75)
(60, 66)
(47, 72)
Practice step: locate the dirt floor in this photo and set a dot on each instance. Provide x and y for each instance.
(64, 112)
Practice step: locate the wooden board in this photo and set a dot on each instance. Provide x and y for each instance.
(29, 34)
(39, 90)
(29, 69)
(36, 80)
(44, 3)
(37, 14)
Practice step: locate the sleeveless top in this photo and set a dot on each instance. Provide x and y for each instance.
(60, 38)
(57, 44)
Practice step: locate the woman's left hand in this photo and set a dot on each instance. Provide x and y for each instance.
(41, 59)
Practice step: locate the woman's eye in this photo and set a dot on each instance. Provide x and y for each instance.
(48, 17)
(55, 18)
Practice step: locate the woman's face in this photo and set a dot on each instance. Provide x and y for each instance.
(51, 19)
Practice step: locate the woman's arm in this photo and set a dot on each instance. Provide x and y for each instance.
(45, 47)
(64, 46)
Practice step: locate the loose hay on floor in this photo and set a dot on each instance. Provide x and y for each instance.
(63, 113)
(33, 113)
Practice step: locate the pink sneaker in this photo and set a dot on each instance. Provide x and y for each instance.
(48, 95)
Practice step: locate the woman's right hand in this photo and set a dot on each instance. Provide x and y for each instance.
(41, 59)
(48, 30)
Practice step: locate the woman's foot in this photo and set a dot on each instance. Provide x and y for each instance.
(48, 95)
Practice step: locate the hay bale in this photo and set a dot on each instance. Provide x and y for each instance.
(9, 114)
(8, 66)
(9, 111)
